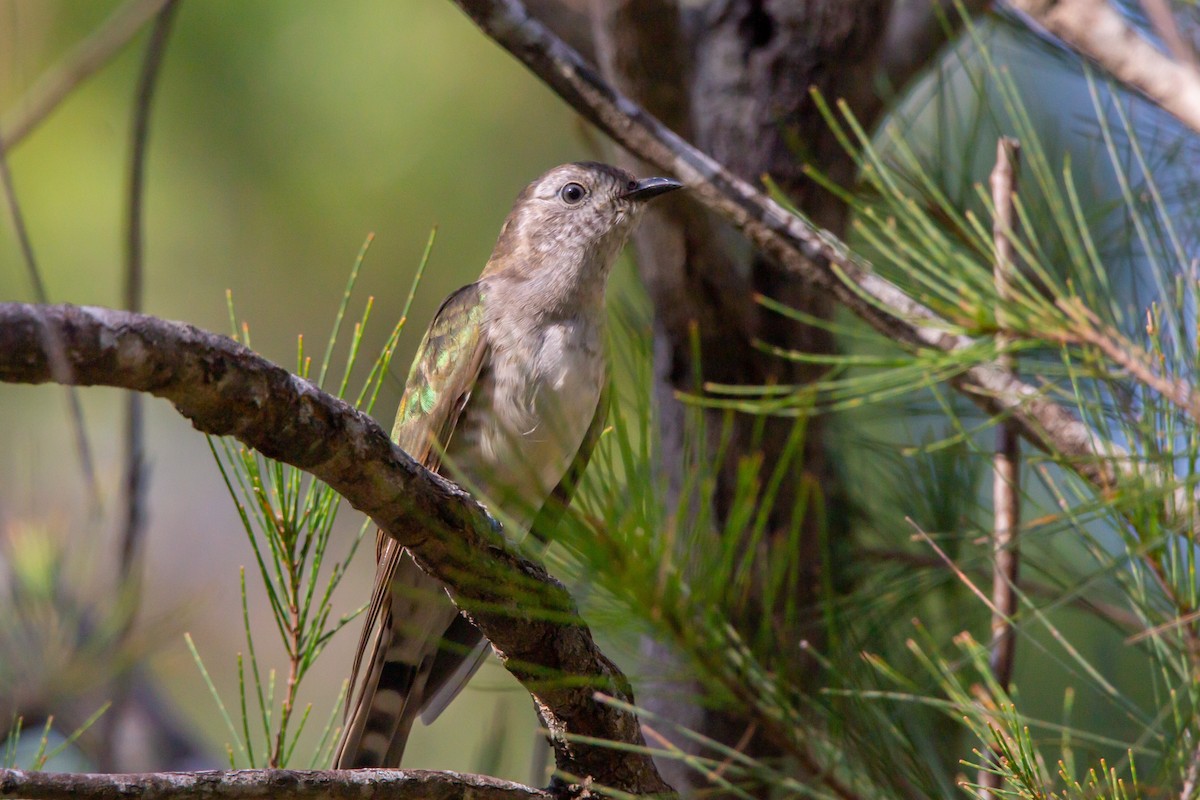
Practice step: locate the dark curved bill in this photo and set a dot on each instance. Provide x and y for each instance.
(652, 187)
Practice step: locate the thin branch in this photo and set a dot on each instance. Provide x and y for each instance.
(953, 567)
(134, 475)
(227, 390)
(247, 784)
(810, 253)
(1006, 463)
(1006, 492)
(133, 528)
(84, 60)
(1096, 29)
(54, 347)
(1188, 792)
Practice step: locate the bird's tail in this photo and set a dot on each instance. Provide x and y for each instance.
(414, 647)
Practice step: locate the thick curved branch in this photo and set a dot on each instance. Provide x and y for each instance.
(246, 784)
(1096, 29)
(227, 390)
(813, 255)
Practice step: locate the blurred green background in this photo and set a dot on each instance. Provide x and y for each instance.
(283, 132)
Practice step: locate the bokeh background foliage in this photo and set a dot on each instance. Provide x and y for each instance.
(285, 131)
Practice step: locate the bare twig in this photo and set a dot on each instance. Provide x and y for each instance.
(953, 567)
(248, 784)
(54, 347)
(1188, 792)
(77, 66)
(1006, 464)
(134, 475)
(808, 252)
(227, 390)
(1159, 630)
(133, 527)
(1096, 29)
(1006, 495)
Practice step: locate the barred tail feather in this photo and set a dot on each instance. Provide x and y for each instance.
(399, 649)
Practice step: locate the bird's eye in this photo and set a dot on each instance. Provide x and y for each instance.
(572, 193)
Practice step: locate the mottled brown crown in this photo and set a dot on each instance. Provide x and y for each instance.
(546, 218)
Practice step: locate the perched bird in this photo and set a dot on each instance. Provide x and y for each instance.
(505, 396)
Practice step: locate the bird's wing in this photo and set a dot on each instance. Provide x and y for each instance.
(551, 512)
(454, 666)
(396, 650)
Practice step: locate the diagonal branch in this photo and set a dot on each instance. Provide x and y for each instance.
(811, 254)
(83, 445)
(824, 263)
(1096, 29)
(227, 390)
(249, 784)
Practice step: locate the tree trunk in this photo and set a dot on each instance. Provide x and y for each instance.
(734, 77)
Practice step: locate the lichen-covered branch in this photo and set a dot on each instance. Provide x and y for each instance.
(248, 784)
(227, 390)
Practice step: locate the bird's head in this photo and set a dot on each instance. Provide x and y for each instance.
(580, 213)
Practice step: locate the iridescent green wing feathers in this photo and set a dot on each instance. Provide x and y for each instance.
(443, 372)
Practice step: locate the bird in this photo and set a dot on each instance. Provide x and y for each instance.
(507, 395)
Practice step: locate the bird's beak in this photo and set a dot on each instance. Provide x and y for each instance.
(651, 187)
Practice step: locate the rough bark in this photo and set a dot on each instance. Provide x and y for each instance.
(227, 390)
(247, 784)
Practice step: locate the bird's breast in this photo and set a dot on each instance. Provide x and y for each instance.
(528, 415)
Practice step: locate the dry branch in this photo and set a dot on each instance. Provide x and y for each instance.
(800, 247)
(1006, 490)
(134, 469)
(227, 390)
(246, 784)
(1096, 29)
(1006, 462)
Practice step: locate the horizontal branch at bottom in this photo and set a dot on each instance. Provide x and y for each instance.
(381, 784)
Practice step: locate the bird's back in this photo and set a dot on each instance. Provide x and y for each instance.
(520, 428)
